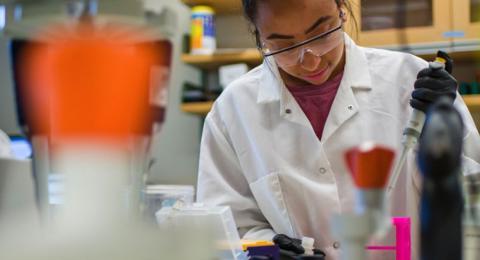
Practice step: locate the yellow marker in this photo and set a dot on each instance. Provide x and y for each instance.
(255, 243)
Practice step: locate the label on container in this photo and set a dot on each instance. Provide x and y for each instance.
(208, 26)
(197, 32)
(203, 33)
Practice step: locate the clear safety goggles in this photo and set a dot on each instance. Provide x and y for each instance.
(316, 46)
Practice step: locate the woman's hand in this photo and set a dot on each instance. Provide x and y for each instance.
(432, 84)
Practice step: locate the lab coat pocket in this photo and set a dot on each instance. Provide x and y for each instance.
(269, 197)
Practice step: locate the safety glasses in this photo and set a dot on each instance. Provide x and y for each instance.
(317, 46)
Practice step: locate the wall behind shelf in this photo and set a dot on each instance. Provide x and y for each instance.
(232, 32)
(8, 118)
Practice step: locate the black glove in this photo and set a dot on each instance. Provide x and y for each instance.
(289, 244)
(288, 255)
(291, 249)
(433, 83)
(317, 255)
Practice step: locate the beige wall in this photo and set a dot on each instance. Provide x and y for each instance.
(232, 32)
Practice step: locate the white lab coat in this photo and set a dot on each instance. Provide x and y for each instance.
(260, 156)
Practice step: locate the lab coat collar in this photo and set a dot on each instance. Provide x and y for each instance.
(272, 83)
(356, 74)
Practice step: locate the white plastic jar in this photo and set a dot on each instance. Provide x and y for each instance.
(202, 35)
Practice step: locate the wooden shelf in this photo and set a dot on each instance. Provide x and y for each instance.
(253, 57)
(220, 6)
(198, 108)
(459, 56)
(202, 108)
(223, 57)
(472, 101)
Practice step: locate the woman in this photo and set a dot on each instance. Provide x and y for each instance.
(273, 144)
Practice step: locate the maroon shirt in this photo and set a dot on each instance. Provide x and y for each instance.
(316, 101)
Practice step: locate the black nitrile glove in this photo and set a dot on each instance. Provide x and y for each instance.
(291, 249)
(288, 255)
(289, 244)
(311, 257)
(432, 84)
(319, 252)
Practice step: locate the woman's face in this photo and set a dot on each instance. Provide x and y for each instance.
(282, 24)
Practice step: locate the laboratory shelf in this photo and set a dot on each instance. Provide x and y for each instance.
(472, 101)
(198, 108)
(202, 108)
(464, 56)
(220, 6)
(250, 56)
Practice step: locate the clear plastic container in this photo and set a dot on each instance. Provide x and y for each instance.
(157, 196)
(215, 226)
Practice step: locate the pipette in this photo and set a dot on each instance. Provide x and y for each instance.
(413, 129)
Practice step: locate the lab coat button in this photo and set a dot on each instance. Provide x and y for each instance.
(350, 107)
(323, 170)
(288, 111)
(336, 245)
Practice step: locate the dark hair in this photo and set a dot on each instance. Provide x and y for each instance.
(250, 12)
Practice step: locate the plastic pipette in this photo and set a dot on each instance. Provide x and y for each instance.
(412, 131)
